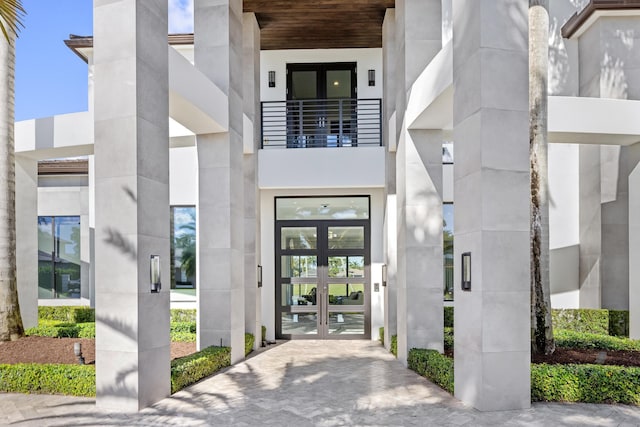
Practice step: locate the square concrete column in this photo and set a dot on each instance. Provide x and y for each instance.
(491, 187)
(220, 267)
(132, 202)
(27, 239)
(634, 253)
(590, 227)
(389, 55)
(419, 187)
(420, 253)
(251, 98)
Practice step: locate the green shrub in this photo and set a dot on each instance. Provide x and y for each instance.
(619, 323)
(183, 327)
(448, 338)
(381, 335)
(61, 330)
(67, 314)
(448, 317)
(264, 333)
(432, 365)
(73, 380)
(581, 320)
(394, 345)
(183, 315)
(249, 340)
(585, 383)
(190, 369)
(571, 339)
(86, 330)
(182, 336)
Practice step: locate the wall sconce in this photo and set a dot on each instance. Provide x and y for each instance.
(77, 350)
(154, 268)
(272, 79)
(259, 275)
(372, 77)
(466, 271)
(384, 274)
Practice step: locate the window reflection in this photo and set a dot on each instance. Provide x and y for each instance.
(448, 250)
(183, 247)
(59, 267)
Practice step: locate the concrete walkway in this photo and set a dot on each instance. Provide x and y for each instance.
(310, 383)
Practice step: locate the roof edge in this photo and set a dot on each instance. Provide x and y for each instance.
(578, 19)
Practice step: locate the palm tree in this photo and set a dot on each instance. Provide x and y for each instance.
(11, 12)
(541, 325)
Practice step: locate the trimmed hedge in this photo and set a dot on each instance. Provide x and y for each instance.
(381, 335)
(182, 336)
(448, 338)
(67, 314)
(582, 320)
(264, 333)
(585, 383)
(249, 340)
(619, 323)
(183, 315)
(448, 317)
(73, 380)
(183, 327)
(64, 330)
(190, 369)
(394, 345)
(571, 339)
(432, 365)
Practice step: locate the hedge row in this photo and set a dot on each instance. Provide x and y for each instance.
(190, 369)
(394, 345)
(432, 365)
(448, 317)
(183, 315)
(585, 383)
(593, 321)
(571, 339)
(73, 380)
(64, 330)
(67, 314)
(249, 340)
(448, 338)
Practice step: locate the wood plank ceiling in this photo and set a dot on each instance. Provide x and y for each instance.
(319, 24)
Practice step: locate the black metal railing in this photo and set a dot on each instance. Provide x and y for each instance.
(322, 123)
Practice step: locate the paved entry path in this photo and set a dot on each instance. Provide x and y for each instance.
(310, 383)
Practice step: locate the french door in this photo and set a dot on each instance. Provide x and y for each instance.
(323, 279)
(321, 104)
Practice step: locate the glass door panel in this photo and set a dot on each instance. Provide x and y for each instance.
(346, 237)
(346, 323)
(299, 266)
(45, 256)
(299, 238)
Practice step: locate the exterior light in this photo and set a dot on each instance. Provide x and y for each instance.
(259, 275)
(372, 77)
(77, 350)
(466, 271)
(154, 267)
(272, 79)
(384, 274)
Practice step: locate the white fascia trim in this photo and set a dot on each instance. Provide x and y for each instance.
(603, 13)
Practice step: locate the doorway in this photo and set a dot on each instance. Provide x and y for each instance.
(323, 279)
(321, 105)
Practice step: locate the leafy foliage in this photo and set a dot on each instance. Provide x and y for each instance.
(381, 335)
(572, 339)
(581, 320)
(394, 345)
(249, 340)
(448, 317)
(11, 15)
(69, 314)
(432, 365)
(190, 369)
(585, 383)
(183, 315)
(64, 330)
(73, 380)
(448, 338)
(619, 323)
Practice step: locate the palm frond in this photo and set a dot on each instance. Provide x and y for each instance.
(11, 14)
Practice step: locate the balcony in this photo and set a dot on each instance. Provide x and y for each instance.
(313, 123)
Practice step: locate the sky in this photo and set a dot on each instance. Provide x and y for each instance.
(50, 78)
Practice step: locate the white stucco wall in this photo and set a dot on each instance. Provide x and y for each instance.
(277, 60)
(183, 176)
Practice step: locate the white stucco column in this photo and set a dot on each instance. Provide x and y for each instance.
(389, 55)
(491, 187)
(419, 188)
(220, 267)
(634, 253)
(27, 239)
(132, 202)
(251, 136)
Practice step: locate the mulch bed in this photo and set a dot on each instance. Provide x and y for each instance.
(60, 350)
(593, 356)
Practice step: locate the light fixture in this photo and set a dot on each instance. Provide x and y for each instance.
(336, 83)
(384, 274)
(272, 79)
(466, 271)
(372, 77)
(154, 269)
(77, 350)
(259, 275)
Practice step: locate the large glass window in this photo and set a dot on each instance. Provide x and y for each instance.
(58, 257)
(447, 215)
(319, 208)
(183, 247)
